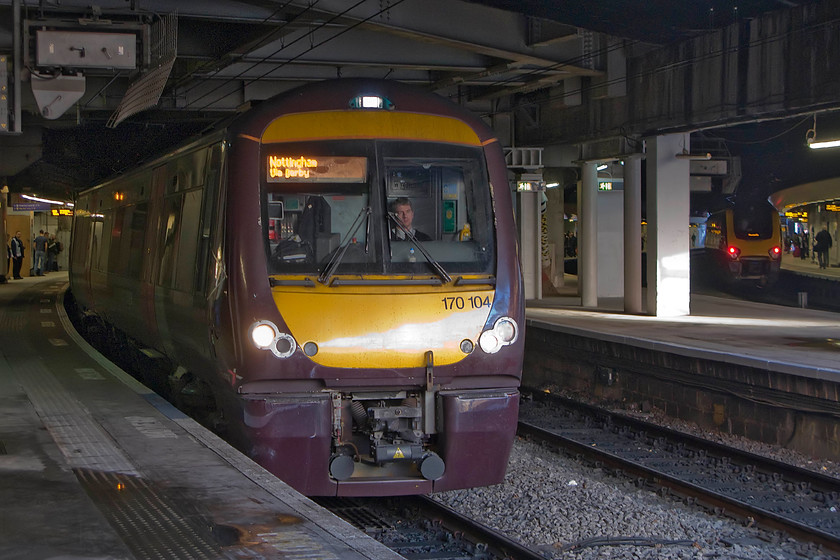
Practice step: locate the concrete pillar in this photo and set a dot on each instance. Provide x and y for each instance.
(530, 233)
(588, 238)
(633, 234)
(610, 244)
(556, 226)
(668, 210)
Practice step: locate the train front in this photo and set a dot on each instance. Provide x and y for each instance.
(389, 359)
(752, 246)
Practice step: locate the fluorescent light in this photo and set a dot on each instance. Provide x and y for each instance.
(700, 157)
(36, 199)
(820, 145)
(601, 167)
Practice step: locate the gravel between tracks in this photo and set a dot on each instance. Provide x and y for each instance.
(550, 502)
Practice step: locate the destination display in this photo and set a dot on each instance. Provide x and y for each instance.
(303, 169)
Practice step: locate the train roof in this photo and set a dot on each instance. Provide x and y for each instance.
(328, 95)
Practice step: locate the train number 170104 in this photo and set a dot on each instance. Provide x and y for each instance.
(471, 302)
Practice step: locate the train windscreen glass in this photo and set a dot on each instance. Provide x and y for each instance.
(445, 203)
(751, 221)
(354, 203)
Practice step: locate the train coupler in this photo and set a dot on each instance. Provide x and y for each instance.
(430, 464)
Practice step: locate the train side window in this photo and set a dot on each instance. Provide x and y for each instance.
(118, 261)
(137, 237)
(103, 238)
(82, 227)
(96, 239)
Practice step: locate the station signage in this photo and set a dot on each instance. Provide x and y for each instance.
(30, 207)
(61, 211)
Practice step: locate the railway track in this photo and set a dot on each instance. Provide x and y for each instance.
(421, 528)
(775, 495)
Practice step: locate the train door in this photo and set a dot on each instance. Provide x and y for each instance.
(209, 266)
(149, 265)
(179, 244)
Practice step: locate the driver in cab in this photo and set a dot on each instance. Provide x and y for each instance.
(404, 211)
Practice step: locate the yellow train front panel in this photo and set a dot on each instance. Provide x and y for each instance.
(371, 328)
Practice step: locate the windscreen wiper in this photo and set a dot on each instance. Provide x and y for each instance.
(335, 260)
(436, 265)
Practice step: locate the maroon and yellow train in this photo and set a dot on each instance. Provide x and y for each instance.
(336, 347)
(743, 244)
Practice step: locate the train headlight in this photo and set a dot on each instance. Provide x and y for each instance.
(503, 333)
(266, 336)
(263, 334)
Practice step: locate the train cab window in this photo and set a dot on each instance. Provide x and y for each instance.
(446, 209)
(752, 221)
(331, 208)
(315, 207)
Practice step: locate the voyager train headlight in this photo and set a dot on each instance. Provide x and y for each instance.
(266, 336)
(503, 333)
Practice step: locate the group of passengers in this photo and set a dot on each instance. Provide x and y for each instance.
(45, 250)
(798, 246)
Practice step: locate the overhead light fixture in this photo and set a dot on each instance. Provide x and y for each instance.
(811, 139)
(700, 157)
(601, 167)
(37, 199)
(820, 145)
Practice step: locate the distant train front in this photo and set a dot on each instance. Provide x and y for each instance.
(744, 243)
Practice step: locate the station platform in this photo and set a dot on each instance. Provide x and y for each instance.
(810, 268)
(804, 342)
(767, 372)
(93, 465)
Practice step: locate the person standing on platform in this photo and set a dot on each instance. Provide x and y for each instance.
(52, 253)
(17, 250)
(822, 245)
(40, 253)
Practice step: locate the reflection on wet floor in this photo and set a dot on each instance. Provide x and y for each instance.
(821, 343)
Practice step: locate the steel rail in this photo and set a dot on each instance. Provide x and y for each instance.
(496, 542)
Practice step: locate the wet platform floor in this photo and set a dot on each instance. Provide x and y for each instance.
(93, 465)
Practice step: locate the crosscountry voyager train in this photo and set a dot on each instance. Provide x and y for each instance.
(744, 243)
(265, 265)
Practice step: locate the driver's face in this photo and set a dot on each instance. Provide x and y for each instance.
(405, 215)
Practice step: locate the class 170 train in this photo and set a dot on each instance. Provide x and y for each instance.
(743, 244)
(348, 349)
